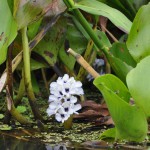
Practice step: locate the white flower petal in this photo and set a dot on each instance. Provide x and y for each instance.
(65, 77)
(52, 98)
(53, 85)
(73, 99)
(77, 107)
(58, 117)
(53, 105)
(78, 84)
(50, 112)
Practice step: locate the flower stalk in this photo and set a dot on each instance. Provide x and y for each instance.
(68, 123)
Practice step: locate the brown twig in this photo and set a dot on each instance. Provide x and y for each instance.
(83, 63)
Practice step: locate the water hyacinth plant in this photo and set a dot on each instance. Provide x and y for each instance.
(62, 99)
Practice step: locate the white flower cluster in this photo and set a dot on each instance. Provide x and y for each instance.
(62, 99)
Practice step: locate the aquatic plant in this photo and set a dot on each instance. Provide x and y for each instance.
(63, 100)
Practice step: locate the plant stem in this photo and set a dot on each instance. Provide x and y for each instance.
(27, 75)
(85, 24)
(13, 111)
(68, 123)
(26, 60)
(82, 73)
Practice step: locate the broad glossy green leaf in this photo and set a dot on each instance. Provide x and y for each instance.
(116, 86)
(130, 121)
(8, 29)
(97, 8)
(52, 42)
(120, 68)
(119, 50)
(138, 40)
(138, 81)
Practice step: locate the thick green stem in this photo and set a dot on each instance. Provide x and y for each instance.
(85, 24)
(68, 123)
(13, 111)
(21, 92)
(26, 60)
(27, 74)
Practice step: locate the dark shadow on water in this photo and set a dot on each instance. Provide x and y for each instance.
(9, 143)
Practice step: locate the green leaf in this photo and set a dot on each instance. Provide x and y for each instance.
(1, 116)
(138, 81)
(107, 134)
(138, 40)
(118, 4)
(98, 8)
(33, 29)
(50, 45)
(120, 68)
(5, 127)
(119, 50)
(30, 12)
(35, 64)
(120, 89)
(8, 29)
(21, 109)
(125, 116)
(76, 41)
(102, 36)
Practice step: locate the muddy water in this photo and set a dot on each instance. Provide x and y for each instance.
(81, 137)
(23, 143)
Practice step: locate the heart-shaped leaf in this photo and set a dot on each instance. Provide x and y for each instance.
(125, 116)
(138, 81)
(138, 40)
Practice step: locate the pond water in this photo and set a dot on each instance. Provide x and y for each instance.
(9, 141)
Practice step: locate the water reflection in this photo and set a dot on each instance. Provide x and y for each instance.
(9, 143)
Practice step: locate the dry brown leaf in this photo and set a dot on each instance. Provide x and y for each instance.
(88, 114)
